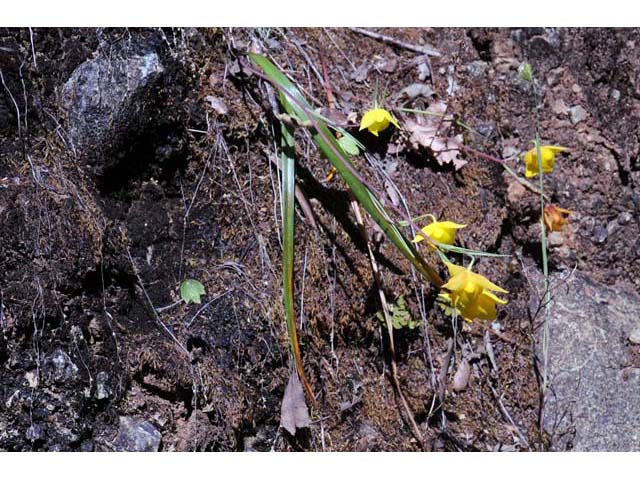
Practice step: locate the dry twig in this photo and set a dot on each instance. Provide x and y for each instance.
(424, 49)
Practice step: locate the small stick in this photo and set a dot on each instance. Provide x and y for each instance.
(425, 49)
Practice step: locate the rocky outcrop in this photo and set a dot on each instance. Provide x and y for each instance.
(592, 402)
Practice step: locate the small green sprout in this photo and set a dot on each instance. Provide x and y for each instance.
(526, 72)
(400, 316)
(191, 290)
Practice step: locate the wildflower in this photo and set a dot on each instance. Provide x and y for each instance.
(555, 217)
(548, 158)
(377, 120)
(471, 294)
(441, 232)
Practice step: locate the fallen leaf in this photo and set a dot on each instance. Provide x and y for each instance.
(361, 73)
(429, 131)
(217, 104)
(294, 413)
(461, 377)
(417, 90)
(387, 65)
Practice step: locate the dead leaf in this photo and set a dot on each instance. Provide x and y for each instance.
(430, 131)
(294, 413)
(387, 65)
(461, 377)
(217, 104)
(361, 73)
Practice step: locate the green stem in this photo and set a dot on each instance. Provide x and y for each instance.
(545, 269)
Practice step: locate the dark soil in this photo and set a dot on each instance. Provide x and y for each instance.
(94, 239)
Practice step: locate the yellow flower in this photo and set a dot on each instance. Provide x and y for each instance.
(441, 232)
(377, 120)
(471, 294)
(548, 158)
(555, 217)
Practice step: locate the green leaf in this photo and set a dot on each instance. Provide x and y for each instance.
(400, 316)
(348, 145)
(287, 145)
(191, 290)
(525, 71)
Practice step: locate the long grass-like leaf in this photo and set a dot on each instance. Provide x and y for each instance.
(288, 205)
(296, 106)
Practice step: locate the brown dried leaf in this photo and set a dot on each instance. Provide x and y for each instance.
(461, 377)
(217, 104)
(294, 413)
(429, 131)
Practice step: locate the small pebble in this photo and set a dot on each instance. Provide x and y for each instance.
(600, 235)
(103, 390)
(555, 239)
(577, 114)
(624, 218)
(477, 68)
(634, 336)
(34, 433)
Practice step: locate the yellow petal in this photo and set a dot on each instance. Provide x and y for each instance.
(394, 121)
(486, 283)
(382, 116)
(367, 119)
(448, 224)
(457, 282)
(556, 148)
(493, 297)
(454, 269)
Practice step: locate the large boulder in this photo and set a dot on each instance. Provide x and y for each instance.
(106, 98)
(592, 402)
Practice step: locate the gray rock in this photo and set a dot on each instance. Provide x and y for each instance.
(102, 97)
(136, 435)
(634, 336)
(600, 235)
(477, 68)
(624, 218)
(63, 367)
(577, 114)
(416, 90)
(555, 239)
(35, 433)
(592, 404)
(87, 446)
(103, 389)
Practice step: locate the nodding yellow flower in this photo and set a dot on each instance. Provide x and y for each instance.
(548, 158)
(377, 120)
(471, 294)
(441, 232)
(555, 217)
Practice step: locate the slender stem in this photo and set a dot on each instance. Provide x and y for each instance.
(545, 268)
